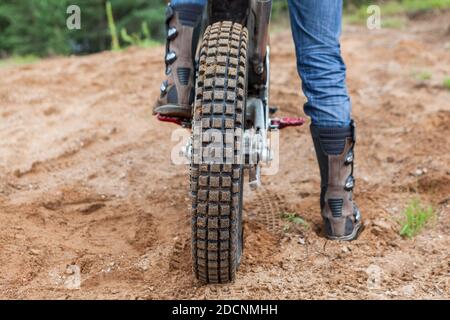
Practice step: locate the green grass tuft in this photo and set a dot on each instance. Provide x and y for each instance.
(295, 220)
(446, 83)
(425, 5)
(423, 75)
(395, 8)
(18, 60)
(393, 23)
(415, 218)
(140, 39)
(115, 45)
(143, 40)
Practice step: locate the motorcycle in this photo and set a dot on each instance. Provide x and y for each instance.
(230, 126)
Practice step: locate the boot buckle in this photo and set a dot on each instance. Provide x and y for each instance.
(171, 57)
(349, 184)
(349, 158)
(172, 33)
(164, 86)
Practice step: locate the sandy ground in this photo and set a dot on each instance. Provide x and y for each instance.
(92, 207)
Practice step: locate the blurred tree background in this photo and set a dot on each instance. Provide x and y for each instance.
(38, 27)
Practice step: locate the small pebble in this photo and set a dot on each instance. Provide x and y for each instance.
(35, 252)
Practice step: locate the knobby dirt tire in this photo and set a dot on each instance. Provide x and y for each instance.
(217, 185)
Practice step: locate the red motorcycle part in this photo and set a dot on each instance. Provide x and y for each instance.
(177, 121)
(286, 122)
(276, 123)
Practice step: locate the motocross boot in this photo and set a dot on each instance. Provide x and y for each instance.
(335, 154)
(177, 91)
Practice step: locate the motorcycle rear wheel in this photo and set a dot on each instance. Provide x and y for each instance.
(217, 185)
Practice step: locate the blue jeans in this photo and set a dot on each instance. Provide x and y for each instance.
(316, 29)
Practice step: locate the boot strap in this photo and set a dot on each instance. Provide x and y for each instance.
(350, 158)
(171, 34)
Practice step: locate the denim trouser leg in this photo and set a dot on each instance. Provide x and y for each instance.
(199, 2)
(316, 28)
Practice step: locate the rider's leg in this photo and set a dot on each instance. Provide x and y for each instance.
(316, 27)
(183, 19)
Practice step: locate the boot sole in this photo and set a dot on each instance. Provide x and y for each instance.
(170, 110)
(353, 236)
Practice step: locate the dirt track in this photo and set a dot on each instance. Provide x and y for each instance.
(86, 180)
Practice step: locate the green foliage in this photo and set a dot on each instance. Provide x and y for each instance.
(294, 220)
(420, 5)
(279, 10)
(423, 76)
(33, 27)
(18, 60)
(112, 27)
(358, 13)
(412, 6)
(415, 218)
(141, 40)
(393, 23)
(39, 26)
(446, 83)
